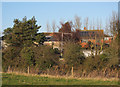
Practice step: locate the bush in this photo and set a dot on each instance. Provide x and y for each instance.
(104, 57)
(99, 62)
(45, 57)
(72, 54)
(27, 55)
(111, 53)
(10, 57)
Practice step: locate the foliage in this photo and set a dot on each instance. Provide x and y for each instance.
(40, 38)
(22, 50)
(66, 28)
(10, 54)
(104, 57)
(89, 44)
(112, 55)
(45, 57)
(96, 63)
(20, 39)
(28, 56)
(56, 51)
(108, 59)
(10, 57)
(23, 33)
(72, 54)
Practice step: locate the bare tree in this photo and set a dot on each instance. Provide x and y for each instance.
(86, 22)
(100, 38)
(97, 36)
(98, 23)
(101, 35)
(114, 23)
(78, 22)
(90, 26)
(93, 24)
(107, 28)
(48, 27)
(90, 34)
(53, 26)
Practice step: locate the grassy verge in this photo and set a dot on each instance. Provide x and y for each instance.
(14, 79)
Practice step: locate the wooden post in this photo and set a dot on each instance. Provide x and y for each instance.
(52, 44)
(72, 71)
(9, 68)
(28, 69)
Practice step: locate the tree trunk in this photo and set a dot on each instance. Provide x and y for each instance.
(92, 50)
(28, 69)
(95, 46)
(101, 48)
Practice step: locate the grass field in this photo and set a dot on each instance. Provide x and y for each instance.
(16, 79)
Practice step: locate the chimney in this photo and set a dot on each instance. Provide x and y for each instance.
(85, 28)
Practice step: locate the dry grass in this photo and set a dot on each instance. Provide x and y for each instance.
(66, 77)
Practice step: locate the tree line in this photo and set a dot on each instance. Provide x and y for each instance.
(24, 55)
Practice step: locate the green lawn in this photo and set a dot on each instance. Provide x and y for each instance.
(13, 79)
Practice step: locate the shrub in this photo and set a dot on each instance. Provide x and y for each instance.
(72, 54)
(45, 57)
